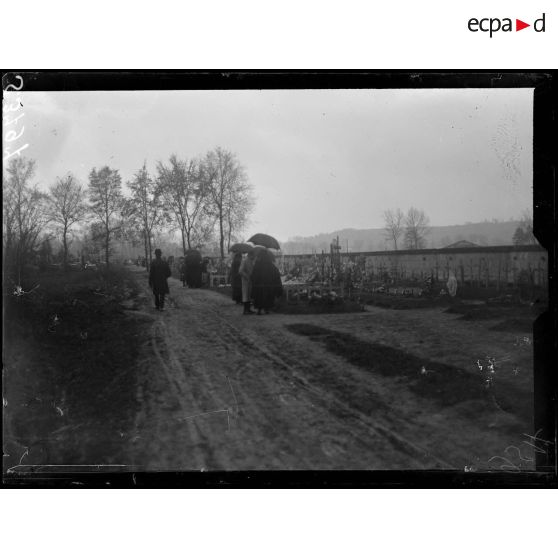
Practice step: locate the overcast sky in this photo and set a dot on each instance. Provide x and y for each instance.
(319, 160)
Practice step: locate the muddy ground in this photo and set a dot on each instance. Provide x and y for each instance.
(202, 387)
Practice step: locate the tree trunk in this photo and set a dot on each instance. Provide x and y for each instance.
(221, 237)
(145, 246)
(150, 250)
(229, 234)
(107, 241)
(183, 242)
(65, 243)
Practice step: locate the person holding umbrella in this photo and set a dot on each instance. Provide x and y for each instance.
(266, 282)
(245, 271)
(193, 268)
(158, 275)
(236, 278)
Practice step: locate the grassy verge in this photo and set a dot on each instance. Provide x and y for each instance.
(68, 382)
(406, 303)
(443, 384)
(512, 317)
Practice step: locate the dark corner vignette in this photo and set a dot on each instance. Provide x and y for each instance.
(544, 222)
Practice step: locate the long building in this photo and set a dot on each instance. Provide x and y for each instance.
(498, 266)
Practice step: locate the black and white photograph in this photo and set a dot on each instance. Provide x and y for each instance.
(266, 279)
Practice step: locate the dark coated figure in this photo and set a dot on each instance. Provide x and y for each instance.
(158, 275)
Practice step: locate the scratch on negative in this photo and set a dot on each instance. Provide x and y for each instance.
(234, 395)
(26, 452)
(208, 413)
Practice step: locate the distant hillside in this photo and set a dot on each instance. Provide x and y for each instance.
(365, 240)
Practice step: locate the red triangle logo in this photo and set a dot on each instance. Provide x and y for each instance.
(519, 25)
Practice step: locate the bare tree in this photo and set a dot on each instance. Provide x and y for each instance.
(93, 242)
(24, 215)
(145, 208)
(239, 207)
(128, 230)
(184, 196)
(66, 207)
(204, 232)
(416, 229)
(230, 193)
(45, 252)
(105, 195)
(393, 219)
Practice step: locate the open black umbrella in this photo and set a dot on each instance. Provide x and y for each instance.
(265, 240)
(242, 247)
(258, 250)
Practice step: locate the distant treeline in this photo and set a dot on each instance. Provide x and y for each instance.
(207, 200)
(371, 240)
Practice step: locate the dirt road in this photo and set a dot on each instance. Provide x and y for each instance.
(218, 390)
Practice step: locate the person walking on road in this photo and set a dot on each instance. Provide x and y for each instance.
(158, 275)
(245, 272)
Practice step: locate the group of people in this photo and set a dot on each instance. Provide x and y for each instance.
(194, 272)
(255, 281)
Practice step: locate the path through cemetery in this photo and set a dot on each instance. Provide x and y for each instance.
(219, 390)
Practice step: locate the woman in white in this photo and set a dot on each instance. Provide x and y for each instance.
(452, 284)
